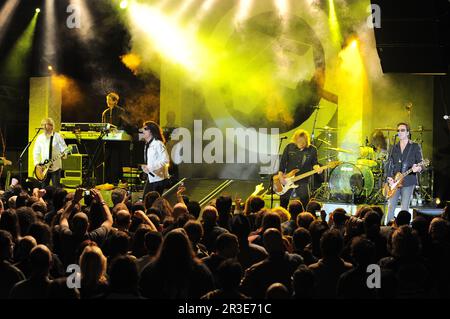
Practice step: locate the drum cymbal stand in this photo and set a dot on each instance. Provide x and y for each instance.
(323, 192)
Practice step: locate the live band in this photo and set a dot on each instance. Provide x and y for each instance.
(297, 167)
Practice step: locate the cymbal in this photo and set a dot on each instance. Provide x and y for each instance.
(391, 129)
(327, 128)
(337, 149)
(421, 129)
(366, 162)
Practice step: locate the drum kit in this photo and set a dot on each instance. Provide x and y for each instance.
(359, 181)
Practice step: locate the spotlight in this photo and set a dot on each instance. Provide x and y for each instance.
(50, 68)
(38, 10)
(123, 4)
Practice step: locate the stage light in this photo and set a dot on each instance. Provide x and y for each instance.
(38, 10)
(243, 10)
(123, 4)
(50, 51)
(334, 24)
(7, 11)
(438, 201)
(282, 7)
(172, 41)
(50, 68)
(15, 63)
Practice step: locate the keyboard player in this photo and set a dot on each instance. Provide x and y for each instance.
(114, 114)
(116, 154)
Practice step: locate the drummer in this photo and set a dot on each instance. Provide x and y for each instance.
(380, 145)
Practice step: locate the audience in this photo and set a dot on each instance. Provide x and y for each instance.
(159, 251)
(175, 273)
(330, 267)
(278, 267)
(36, 286)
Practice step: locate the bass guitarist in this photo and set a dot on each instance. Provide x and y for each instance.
(299, 154)
(404, 155)
(47, 146)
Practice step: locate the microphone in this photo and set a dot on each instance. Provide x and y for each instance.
(316, 107)
(38, 128)
(283, 138)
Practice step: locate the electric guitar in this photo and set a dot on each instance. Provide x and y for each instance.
(41, 170)
(290, 178)
(390, 190)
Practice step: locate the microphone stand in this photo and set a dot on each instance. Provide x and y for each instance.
(314, 124)
(271, 179)
(23, 153)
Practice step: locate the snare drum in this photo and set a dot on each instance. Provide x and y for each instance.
(349, 179)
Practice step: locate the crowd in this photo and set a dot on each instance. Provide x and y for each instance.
(225, 250)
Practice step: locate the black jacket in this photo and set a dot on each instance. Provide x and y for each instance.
(401, 162)
(293, 158)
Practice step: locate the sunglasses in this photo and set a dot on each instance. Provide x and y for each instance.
(401, 130)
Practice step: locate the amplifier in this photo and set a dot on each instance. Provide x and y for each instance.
(76, 162)
(74, 174)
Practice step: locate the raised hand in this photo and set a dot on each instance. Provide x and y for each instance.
(97, 195)
(78, 195)
(259, 188)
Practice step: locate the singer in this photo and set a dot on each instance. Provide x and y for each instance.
(47, 146)
(300, 154)
(156, 158)
(404, 155)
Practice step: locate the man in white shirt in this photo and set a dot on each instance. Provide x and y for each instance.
(156, 158)
(49, 145)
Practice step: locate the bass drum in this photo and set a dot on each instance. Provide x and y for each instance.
(348, 179)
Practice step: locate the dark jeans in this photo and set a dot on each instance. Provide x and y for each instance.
(55, 177)
(302, 193)
(155, 187)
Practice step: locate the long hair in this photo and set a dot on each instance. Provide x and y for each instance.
(93, 266)
(301, 133)
(175, 255)
(379, 140)
(156, 130)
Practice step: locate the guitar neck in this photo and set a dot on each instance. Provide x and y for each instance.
(409, 171)
(307, 174)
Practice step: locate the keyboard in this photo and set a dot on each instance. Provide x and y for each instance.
(92, 131)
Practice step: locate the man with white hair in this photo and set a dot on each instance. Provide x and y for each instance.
(49, 145)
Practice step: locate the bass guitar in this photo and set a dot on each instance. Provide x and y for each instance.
(290, 178)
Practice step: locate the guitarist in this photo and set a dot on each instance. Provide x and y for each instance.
(302, 155)
(404, 155)
(47, 146)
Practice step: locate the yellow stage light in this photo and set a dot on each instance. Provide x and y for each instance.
(123, 4)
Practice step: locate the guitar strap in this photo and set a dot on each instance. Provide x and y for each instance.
(405, 159)
(50, 150)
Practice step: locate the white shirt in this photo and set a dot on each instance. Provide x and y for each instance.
(42, 147)
(157, 161)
